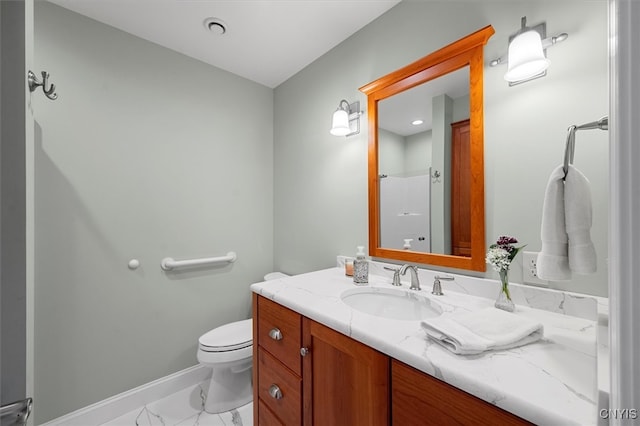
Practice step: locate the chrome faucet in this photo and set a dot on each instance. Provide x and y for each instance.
(415, 282)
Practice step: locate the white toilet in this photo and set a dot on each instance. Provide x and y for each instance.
(228, 350)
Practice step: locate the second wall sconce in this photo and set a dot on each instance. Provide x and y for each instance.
(346, 119)
(526, 56)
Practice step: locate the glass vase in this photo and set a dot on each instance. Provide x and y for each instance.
(504, 301)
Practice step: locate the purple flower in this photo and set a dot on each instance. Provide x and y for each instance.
(506, 240)
(505, 243)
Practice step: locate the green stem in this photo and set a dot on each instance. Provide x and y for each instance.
(504, 279)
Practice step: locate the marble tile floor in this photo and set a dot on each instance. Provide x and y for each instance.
(184, 408)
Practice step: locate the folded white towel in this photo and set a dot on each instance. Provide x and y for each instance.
(488, 329)
(553, 259)
(577, 210)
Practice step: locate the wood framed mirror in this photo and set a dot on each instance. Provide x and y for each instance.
(426, 186)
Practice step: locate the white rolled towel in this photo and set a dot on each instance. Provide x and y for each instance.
(578, 212)
(553, 258)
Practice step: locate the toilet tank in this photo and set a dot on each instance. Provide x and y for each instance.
(275, 276)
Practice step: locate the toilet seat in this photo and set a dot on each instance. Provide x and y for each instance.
(228, 351)
(229, 337)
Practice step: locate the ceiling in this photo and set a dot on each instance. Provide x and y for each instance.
(396, 113)
(266, 41)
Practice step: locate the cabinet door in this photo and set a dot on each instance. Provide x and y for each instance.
(344, 381)
(419, 399)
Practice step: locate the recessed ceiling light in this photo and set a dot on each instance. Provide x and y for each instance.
(417, 122)
(215, 25)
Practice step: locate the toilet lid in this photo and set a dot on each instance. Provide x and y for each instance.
(228, 337)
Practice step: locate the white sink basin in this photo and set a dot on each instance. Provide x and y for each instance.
(390, 303)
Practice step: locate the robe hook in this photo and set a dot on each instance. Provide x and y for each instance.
(34, 83)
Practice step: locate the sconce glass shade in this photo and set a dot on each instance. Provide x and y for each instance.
(526, 57)
(340, 123)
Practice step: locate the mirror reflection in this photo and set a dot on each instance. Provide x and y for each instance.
(422, 133)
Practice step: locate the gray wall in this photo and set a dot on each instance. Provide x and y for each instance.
(392, 149)
(321, 180)
(150, 154)
(146, 154)
(12, 209)
(418, 152)
(441, 161)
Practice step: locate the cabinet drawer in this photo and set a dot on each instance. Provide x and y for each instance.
(286, 346)
(266, 416)
(288, 408)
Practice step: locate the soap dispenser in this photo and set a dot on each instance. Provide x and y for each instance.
(360, 268)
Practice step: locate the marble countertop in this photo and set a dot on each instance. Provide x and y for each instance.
(551, 381)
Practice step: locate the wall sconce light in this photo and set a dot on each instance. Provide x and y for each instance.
(526, 56)
(346, 119)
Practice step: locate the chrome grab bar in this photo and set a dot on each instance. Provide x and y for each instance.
(168, 263)
(19, 411)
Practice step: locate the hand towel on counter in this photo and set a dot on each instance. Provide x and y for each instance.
(566, 226)
(468, 333)
(553, 259)
(577, 210)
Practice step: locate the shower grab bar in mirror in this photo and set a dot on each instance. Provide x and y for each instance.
(168, 263)
(570, 147)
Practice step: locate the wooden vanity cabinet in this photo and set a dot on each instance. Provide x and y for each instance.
(338, 382)
(341, 381)
(420, 399)
(277, 365)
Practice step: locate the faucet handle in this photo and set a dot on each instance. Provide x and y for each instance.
(437, 288)
(396, 275)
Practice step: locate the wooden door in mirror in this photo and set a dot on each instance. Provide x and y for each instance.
(461, 244)
(460, 189)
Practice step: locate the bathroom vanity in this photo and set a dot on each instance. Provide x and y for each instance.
(342, 381)
(299, 385)
(319, 361)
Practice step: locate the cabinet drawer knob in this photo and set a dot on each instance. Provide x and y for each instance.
(304, 351)
(275, 392)
(275, 334)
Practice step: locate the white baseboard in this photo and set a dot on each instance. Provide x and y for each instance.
(118, 405)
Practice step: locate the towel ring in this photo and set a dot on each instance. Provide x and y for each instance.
(569, 150)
